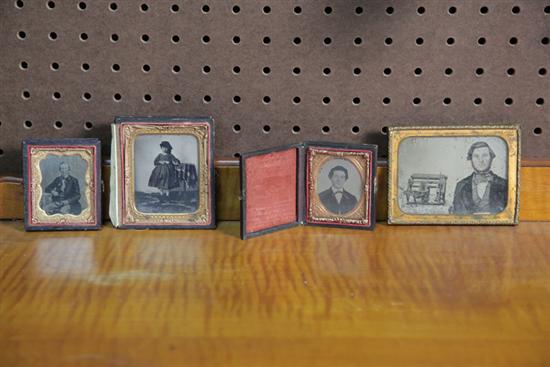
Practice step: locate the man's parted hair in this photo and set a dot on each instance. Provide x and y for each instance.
(480, 144)
(64, 164)
(337, 168)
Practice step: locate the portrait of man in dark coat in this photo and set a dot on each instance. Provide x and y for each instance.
(64, 193)
(482, 191)
(336, 199)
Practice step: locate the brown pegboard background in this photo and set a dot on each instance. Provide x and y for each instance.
(274, 71)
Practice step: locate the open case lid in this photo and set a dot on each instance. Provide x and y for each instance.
(275, 185)
(270, 181)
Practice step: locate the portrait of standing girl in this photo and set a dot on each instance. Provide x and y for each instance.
(164, 176)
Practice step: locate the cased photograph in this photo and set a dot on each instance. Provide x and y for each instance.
(340, 185)
(309, 183)
(456, 175)
(163, 173)
(62, 184)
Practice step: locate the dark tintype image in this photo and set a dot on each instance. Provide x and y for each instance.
(453, 175)
(166, 176)
(339, 186)
(63, 180)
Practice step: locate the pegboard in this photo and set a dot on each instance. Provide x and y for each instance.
(273, 72)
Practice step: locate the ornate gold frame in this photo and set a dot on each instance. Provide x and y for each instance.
(509, 133)
(130, 214)
(316, 211)
(38, 215)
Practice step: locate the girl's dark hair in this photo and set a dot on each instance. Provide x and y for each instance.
(166, 145)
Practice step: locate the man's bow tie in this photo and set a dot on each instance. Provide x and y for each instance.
(483, 177)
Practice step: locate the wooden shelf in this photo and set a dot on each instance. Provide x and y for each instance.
(534, 193)
(307, 296)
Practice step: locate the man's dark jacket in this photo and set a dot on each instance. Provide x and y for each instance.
(71, 193)
(463, 202)
(347, 203)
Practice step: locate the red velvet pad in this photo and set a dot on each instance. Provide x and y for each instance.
(271, 190)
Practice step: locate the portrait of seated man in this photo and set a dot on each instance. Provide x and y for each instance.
(63, 193)
(336, 199)
(482, 191)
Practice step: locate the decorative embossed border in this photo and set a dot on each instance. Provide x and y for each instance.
(362, 159)
(35, 150)
(129, 128)
(509, 133)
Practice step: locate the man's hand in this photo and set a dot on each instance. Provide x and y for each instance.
(54, 193)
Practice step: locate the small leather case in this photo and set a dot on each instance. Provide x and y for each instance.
(312, 183)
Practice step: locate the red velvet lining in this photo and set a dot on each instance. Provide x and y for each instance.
(270, 190)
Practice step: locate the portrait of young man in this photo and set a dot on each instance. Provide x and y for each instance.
(64, 193)
(483, 191)
(336, 199)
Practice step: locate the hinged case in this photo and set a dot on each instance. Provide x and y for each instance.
(153, 197)
(279, 189)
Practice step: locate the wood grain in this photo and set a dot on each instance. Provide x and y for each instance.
(401, 295)
(534, 193)
(11, 199)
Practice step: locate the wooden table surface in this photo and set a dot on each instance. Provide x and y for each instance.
(398, 296)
